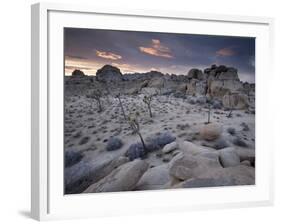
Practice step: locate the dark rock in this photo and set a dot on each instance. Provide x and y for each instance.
(113, 144)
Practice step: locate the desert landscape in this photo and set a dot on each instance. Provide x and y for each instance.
(152, 131)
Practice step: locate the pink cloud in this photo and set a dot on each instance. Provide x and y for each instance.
(157, 49)
(226, 52)
(108, 55)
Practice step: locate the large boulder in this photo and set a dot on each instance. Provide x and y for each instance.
(229, 157)
(154, 178)
(211, 131)
(235, 101)
(124, 178)
(185, 166)
(79, 176)
(238, 175)
(109, 73)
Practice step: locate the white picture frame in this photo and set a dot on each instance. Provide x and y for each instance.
(47, 201)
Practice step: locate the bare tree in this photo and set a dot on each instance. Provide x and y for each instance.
(118, 96)
(147, 100)
(97, 95)
(136, 127)
(209, 113)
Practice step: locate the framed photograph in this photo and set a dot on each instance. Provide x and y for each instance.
(138, 111)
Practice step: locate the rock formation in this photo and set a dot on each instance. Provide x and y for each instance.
(109, 73)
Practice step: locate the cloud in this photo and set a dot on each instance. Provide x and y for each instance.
(75, 57)
(157, 49)
(226, 52)
(108, 55)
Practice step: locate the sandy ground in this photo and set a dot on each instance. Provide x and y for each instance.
(88, 130)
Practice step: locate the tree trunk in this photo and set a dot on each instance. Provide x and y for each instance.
(209, 114)
(122, 108)
(142, 141)
(150, 113)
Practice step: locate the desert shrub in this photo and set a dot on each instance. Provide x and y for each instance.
(220, 144)
(135, 151)
(84, 140)
(216, 104)
(245, 126)
(113, 144)
(231, 131)
(160, 140)
(179, 95)
(201, 100)
(239, 142)
(72, 157)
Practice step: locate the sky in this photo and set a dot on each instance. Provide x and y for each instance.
(134, 51)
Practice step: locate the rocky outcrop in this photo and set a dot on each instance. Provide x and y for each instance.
(109, 73)
(196, 88)
(196, 74)
(216, 82)
(154, 178)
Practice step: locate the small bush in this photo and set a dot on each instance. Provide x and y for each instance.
(84, 140)
(136, 151)
(72, 157)
(239, 142)
(231, 131)
(161, 140)
(113, 144)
